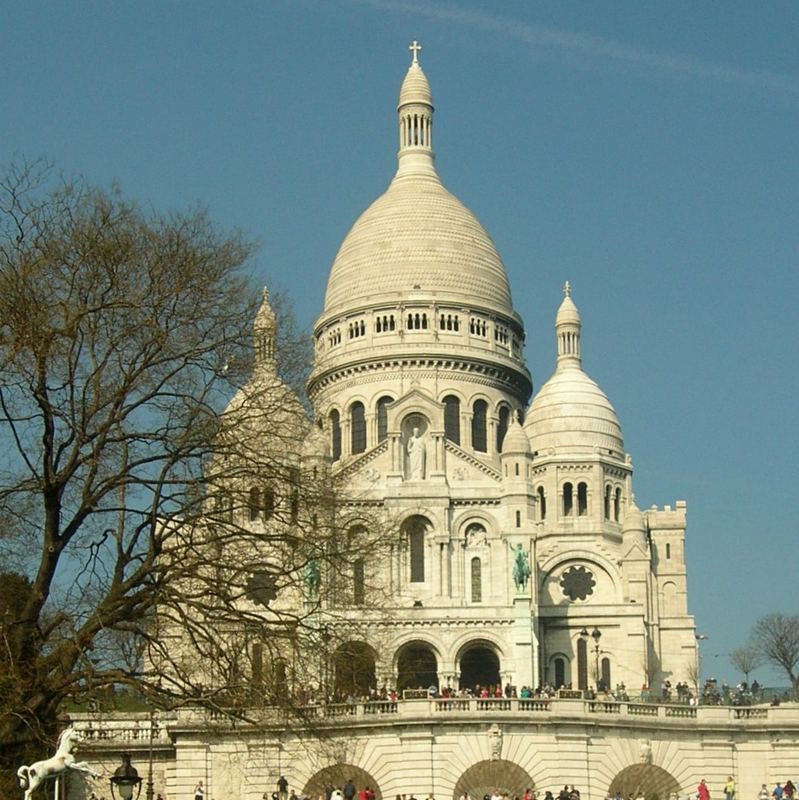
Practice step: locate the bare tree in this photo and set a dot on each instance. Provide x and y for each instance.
(138, 495)
(746, 659)
(776, 636)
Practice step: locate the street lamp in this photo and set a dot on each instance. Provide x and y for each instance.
(700, 637)
(596, 635)
(125, 779)
(149, 793)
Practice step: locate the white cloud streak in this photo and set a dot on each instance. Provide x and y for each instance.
(595, 47)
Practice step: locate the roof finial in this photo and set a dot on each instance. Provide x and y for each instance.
(415, 47)
(567, 289)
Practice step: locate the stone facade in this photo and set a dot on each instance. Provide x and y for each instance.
(418, 333)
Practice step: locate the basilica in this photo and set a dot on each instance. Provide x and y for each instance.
(520, 556)
(494, 549)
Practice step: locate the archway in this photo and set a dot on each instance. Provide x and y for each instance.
(479, 667)
(484, 777)
(417, 667)
(336, 776)
(644, 780)
(354, 669)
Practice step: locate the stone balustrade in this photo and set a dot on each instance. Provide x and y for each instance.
(116, 729)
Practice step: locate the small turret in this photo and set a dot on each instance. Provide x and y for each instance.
(265, 334)
(415, 109)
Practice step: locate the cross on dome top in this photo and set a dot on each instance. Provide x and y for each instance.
(567, 289)
(415, 47)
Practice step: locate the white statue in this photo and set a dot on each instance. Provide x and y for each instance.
(33, 776)
(417, 455)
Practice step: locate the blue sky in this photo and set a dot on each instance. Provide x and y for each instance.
(644, 151)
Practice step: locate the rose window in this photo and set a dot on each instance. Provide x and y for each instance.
(577, 583)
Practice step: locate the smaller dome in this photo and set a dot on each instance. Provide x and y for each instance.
(633, 519)
(515, 440)
(571, 413)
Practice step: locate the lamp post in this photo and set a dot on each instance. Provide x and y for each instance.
(700, 637)
(596, 635)
(149, 793)
(125, 779)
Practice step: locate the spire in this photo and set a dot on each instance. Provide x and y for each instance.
(567, 330)
(265, 334)
(415, 110)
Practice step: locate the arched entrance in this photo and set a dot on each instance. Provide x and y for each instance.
(644, 780)
(354, 669)
(479, 666)
(484, 777)
(417, 667)
(336, 776)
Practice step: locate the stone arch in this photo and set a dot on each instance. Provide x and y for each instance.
(463, 521)
(479, 663)
(484, 777)
(354, 668)
(336, 775)
(417, 664)
(578, 556)
(644, 780)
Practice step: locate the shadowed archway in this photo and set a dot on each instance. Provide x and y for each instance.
(479, 666)
(354, 669)
(417, 667)
(484, 777)
(336, 775)
(644, 780)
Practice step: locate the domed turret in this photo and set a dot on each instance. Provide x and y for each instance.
(515, 441)
(570, 413)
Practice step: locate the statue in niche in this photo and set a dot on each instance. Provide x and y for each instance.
(521, 567)
(417, 455)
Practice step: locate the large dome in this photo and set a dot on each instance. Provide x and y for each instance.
(417, 236)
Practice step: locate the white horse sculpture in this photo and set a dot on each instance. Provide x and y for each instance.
(32, 777)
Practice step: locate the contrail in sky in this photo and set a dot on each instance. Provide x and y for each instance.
(595, 46)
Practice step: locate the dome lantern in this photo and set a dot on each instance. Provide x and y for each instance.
(567, 330)
(415, 111)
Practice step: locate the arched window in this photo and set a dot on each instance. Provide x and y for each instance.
(604, 680)
(607, 502)
(568, 500)
(452, 419)
(257, 666)
(617, 505)
(335, 435)
(358, 588)
(582, 499)
(269, 502)
(416, 542)
(358, 427)
(382, 417)
(294, 493)
(477, 580)
(254, 504)
(502, 427)
(582, 664)
(479, 426)
(560, 672)
(542, 504)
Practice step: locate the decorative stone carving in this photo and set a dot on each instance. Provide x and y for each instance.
(645, 751)
(495, 740)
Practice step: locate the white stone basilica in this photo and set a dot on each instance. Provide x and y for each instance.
(509, 551)
(518, 540)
